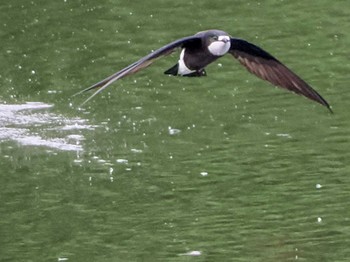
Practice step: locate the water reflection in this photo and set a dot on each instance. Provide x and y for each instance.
(31, 124)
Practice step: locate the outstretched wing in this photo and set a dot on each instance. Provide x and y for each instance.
(267, 67)
(140, 64)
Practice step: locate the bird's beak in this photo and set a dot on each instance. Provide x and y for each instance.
(225, 40)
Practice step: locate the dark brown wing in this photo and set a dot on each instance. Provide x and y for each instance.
(140, 64)
(267, 67)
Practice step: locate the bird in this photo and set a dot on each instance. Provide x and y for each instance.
(205, 47)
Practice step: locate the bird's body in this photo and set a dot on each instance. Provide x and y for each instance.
(205, 47)
(195, 57)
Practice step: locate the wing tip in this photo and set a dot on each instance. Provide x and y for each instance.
(323, 102)
(329, 108)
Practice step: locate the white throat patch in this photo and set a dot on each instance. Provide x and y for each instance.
(221, 46)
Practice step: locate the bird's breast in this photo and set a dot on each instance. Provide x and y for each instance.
(219, 48)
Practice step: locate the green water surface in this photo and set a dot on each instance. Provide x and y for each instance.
(157, 168)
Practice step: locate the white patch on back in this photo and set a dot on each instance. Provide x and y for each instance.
(219, 48)
(183, 69)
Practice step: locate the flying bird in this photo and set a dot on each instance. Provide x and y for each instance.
(205, 47)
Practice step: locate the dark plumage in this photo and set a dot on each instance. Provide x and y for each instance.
(205, 47)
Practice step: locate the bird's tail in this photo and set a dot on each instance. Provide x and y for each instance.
(173, 70)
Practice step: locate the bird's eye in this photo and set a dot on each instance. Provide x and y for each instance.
(215, 37)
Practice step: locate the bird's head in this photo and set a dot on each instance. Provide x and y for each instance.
(218, 42)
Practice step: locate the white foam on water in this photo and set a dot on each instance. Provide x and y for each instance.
(32, 123)
(193, 253)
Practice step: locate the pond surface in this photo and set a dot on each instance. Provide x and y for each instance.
(158, 168)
